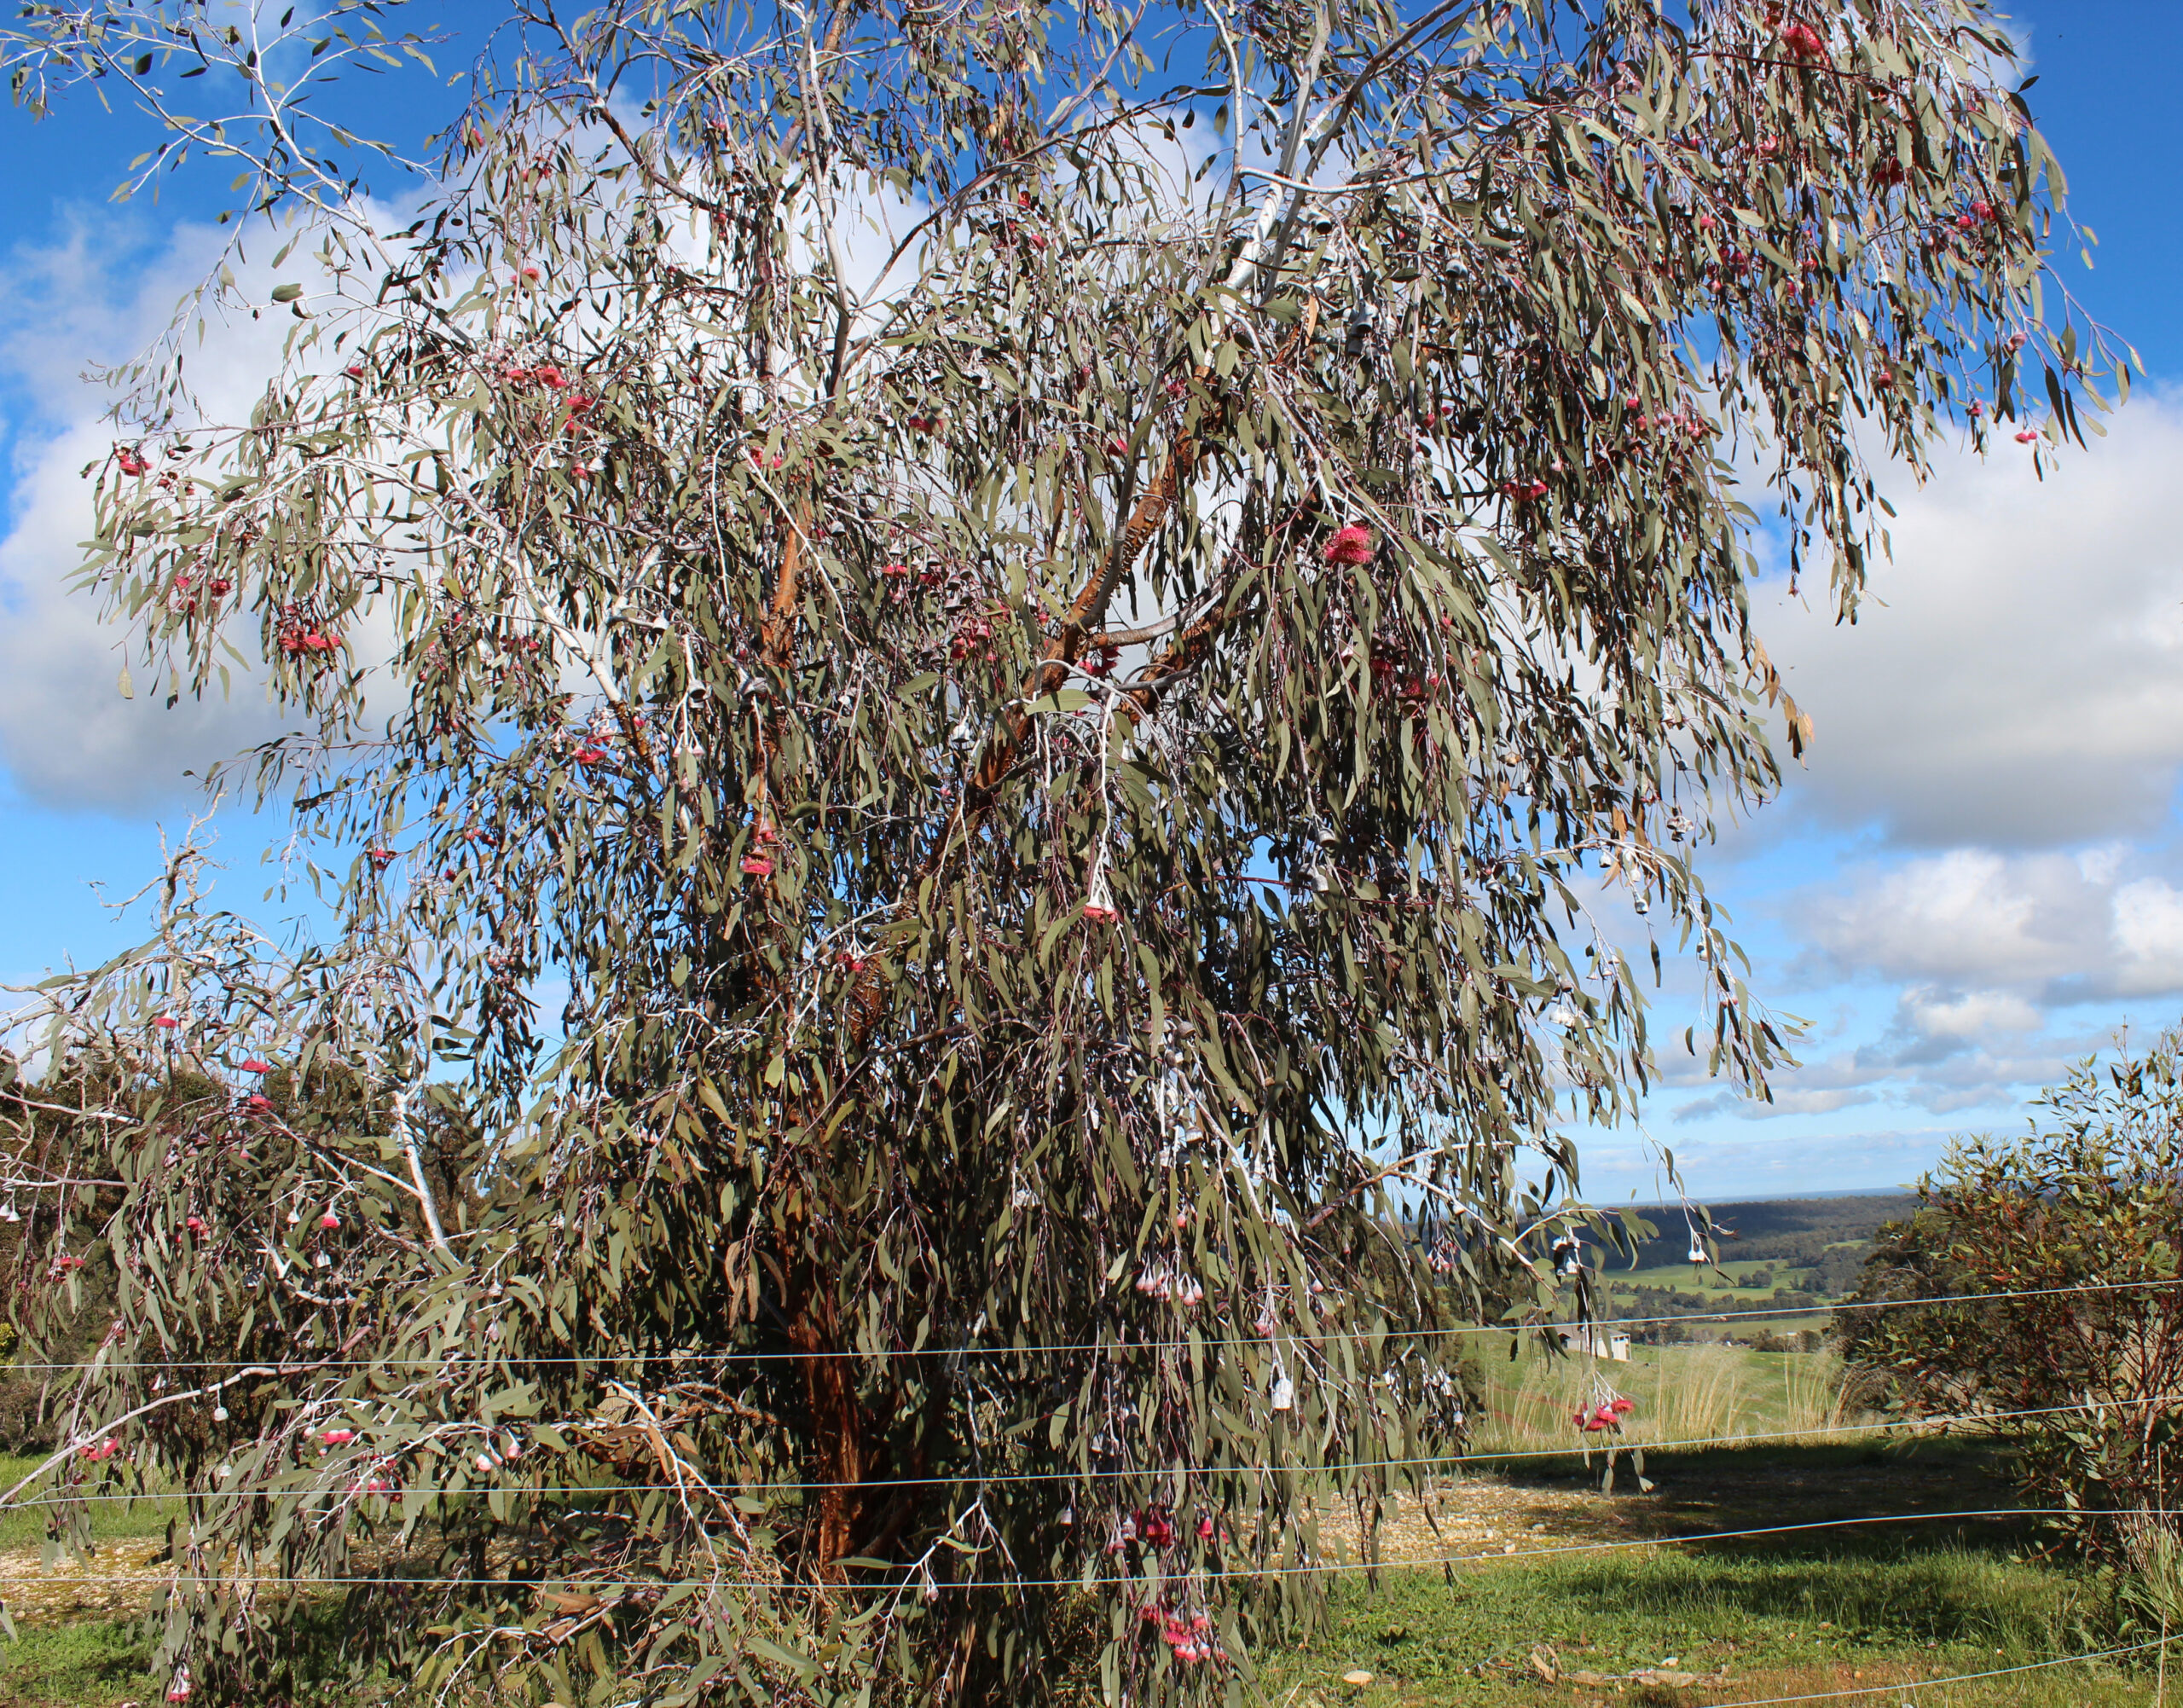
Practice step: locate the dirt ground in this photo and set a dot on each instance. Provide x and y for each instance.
(1485, 1517)
(118, 1582)
(1500, 1515)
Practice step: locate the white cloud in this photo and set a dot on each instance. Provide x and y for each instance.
(67, 735)
(1984, 941)
(1968, 916)
(2147, 937)
(2004, 968)
(1971, 1014)
(2015, 678)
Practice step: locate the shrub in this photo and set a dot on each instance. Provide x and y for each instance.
(2056, 1251)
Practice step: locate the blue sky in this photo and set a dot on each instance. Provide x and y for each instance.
(1975, 880)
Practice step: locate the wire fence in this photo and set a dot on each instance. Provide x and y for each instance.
(917, 1582)
(1206, 1342)
(1156, 1473)
(899, 1585)
(1096, 1580)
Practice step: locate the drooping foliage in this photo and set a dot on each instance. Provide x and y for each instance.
(953, 672)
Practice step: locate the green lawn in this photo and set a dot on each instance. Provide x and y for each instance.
(94, 1664)
(1755, 1624)
(1903, 1605)
(25, 1526)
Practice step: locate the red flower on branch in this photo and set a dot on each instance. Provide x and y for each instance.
(1350, 545)
(1803, 41)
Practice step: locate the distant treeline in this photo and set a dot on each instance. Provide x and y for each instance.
(1792, 1234)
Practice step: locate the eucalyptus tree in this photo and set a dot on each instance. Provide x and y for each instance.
(962, 678)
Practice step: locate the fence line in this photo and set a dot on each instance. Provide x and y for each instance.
(1205, 1342)
(1180, 1579)
(1499, 1456)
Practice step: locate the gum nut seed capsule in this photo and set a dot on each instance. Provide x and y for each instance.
(1067, 1517)
(486, 1461)
(219, 1414)
(294, 1217)
(1284, 1394)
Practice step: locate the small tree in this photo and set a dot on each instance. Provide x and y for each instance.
(1031, 616)
(2081, 1370)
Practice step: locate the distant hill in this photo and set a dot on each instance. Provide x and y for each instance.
(1826, 1237)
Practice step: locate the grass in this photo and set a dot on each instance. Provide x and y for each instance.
(25, 1526)
(1700, 1392)
(1888, 1612)
(1761, 1622)
(94, 1664)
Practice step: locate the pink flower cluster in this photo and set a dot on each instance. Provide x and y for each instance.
(759, 861)
(1803, 41)
(972, 639)
(1167, 1283)
(1350, 545)
(1189, 1640)
(1608, 1414)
